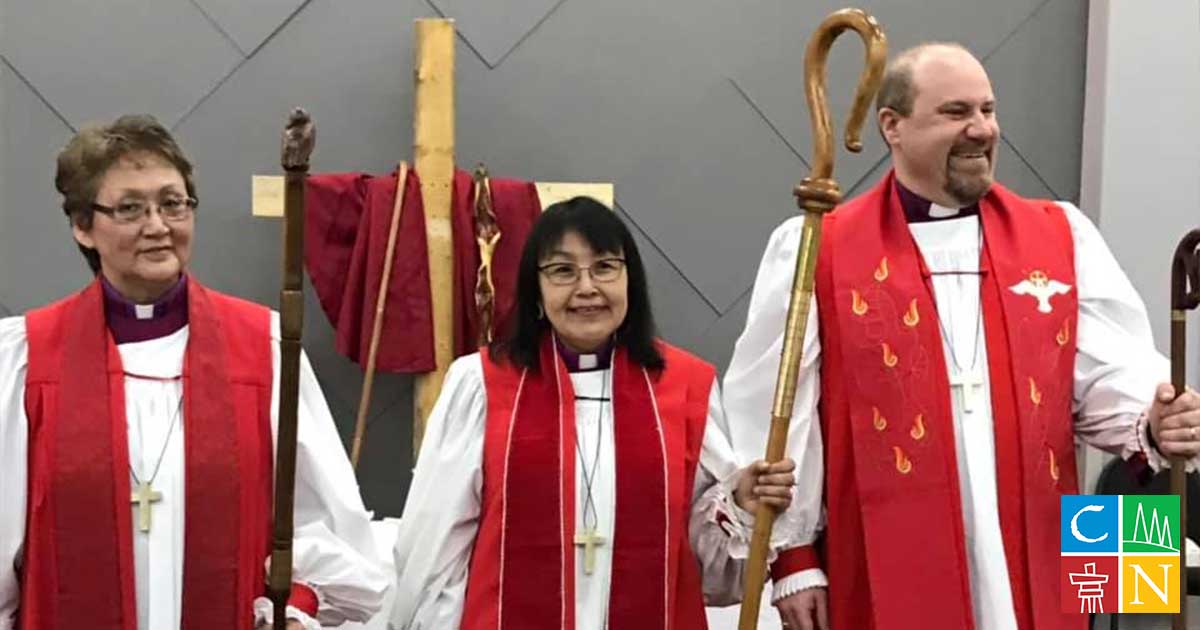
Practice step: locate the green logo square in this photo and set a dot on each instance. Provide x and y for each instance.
(1150, 523)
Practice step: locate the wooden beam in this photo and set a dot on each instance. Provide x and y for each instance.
(433, 155)
(550, 193)
(267, 194)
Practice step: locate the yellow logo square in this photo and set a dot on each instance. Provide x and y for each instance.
(1150, 584)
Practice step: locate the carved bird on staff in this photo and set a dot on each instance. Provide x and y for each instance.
(298, 139)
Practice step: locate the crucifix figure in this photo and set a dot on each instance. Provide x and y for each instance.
(589, 539)
(968, 387)
(144, 495)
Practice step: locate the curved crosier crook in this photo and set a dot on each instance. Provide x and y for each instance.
(815, 58)
(817, 194)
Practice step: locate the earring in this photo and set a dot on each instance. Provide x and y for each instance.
(541, 312)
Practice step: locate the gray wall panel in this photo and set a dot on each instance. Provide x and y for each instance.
(96, 60)
(1038, 68)
(248, 24)
(38, 258)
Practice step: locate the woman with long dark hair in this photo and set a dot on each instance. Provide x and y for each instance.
(577, 474)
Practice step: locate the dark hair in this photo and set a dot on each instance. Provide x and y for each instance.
(88, 156)
(605, 233)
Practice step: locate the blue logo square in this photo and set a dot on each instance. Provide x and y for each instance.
(1090, 523)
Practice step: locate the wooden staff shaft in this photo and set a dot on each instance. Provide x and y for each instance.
(781, 412)
(817, 194)
(1185, 296)
(1179, 462)
(298, 141)
(364, 401)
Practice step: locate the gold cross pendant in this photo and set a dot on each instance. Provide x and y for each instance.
(589, 539)
(144, 496)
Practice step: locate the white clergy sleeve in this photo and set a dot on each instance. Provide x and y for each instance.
(14, 441)
(749, 391)
(719, 530)
(1117, 367)
(441, 514)
(334, 549)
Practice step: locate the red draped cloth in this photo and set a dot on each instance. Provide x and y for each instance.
(346, 233)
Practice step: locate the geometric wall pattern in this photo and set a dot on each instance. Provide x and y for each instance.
(694, 109)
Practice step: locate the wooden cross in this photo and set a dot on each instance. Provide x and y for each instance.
(144, 495)
(968, 387)
(589, 539)
(433, 148)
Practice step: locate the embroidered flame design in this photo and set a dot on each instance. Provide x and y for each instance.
(1035, 394)
(859, 305)
(912, 317)
(881, 272)
(903, 463)
(1053, 465)
(918, 428)
(1064, 335)
(889, 358)
(879, 422)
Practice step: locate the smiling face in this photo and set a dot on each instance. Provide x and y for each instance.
(945, 149)
(586, 312)
(144, 258)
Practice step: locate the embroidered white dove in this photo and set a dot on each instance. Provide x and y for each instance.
(1041, 287)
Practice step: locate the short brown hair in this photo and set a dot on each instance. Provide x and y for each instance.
(896, 90)
(88, 156)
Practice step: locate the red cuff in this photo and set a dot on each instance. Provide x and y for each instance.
(794, 560)
(304, 599)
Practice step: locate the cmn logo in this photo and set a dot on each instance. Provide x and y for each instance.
(1120, 553)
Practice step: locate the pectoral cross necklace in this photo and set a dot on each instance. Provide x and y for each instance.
(967, 384)
(589, 538)
(144, 494)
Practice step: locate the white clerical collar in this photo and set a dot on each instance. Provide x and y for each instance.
(942, 212)
(918, 209)
(588, 361)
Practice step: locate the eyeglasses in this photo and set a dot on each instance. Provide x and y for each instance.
(172, 209)
(567, 273)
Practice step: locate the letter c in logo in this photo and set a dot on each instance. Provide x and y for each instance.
(1075, 524)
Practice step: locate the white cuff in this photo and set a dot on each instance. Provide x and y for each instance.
(738, 523)
(1157, 461)
(799, 581)
(264, 612)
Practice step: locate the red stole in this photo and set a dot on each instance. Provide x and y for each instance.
(523, 566)
(894, 548)
(346, 232)
(78, 559)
